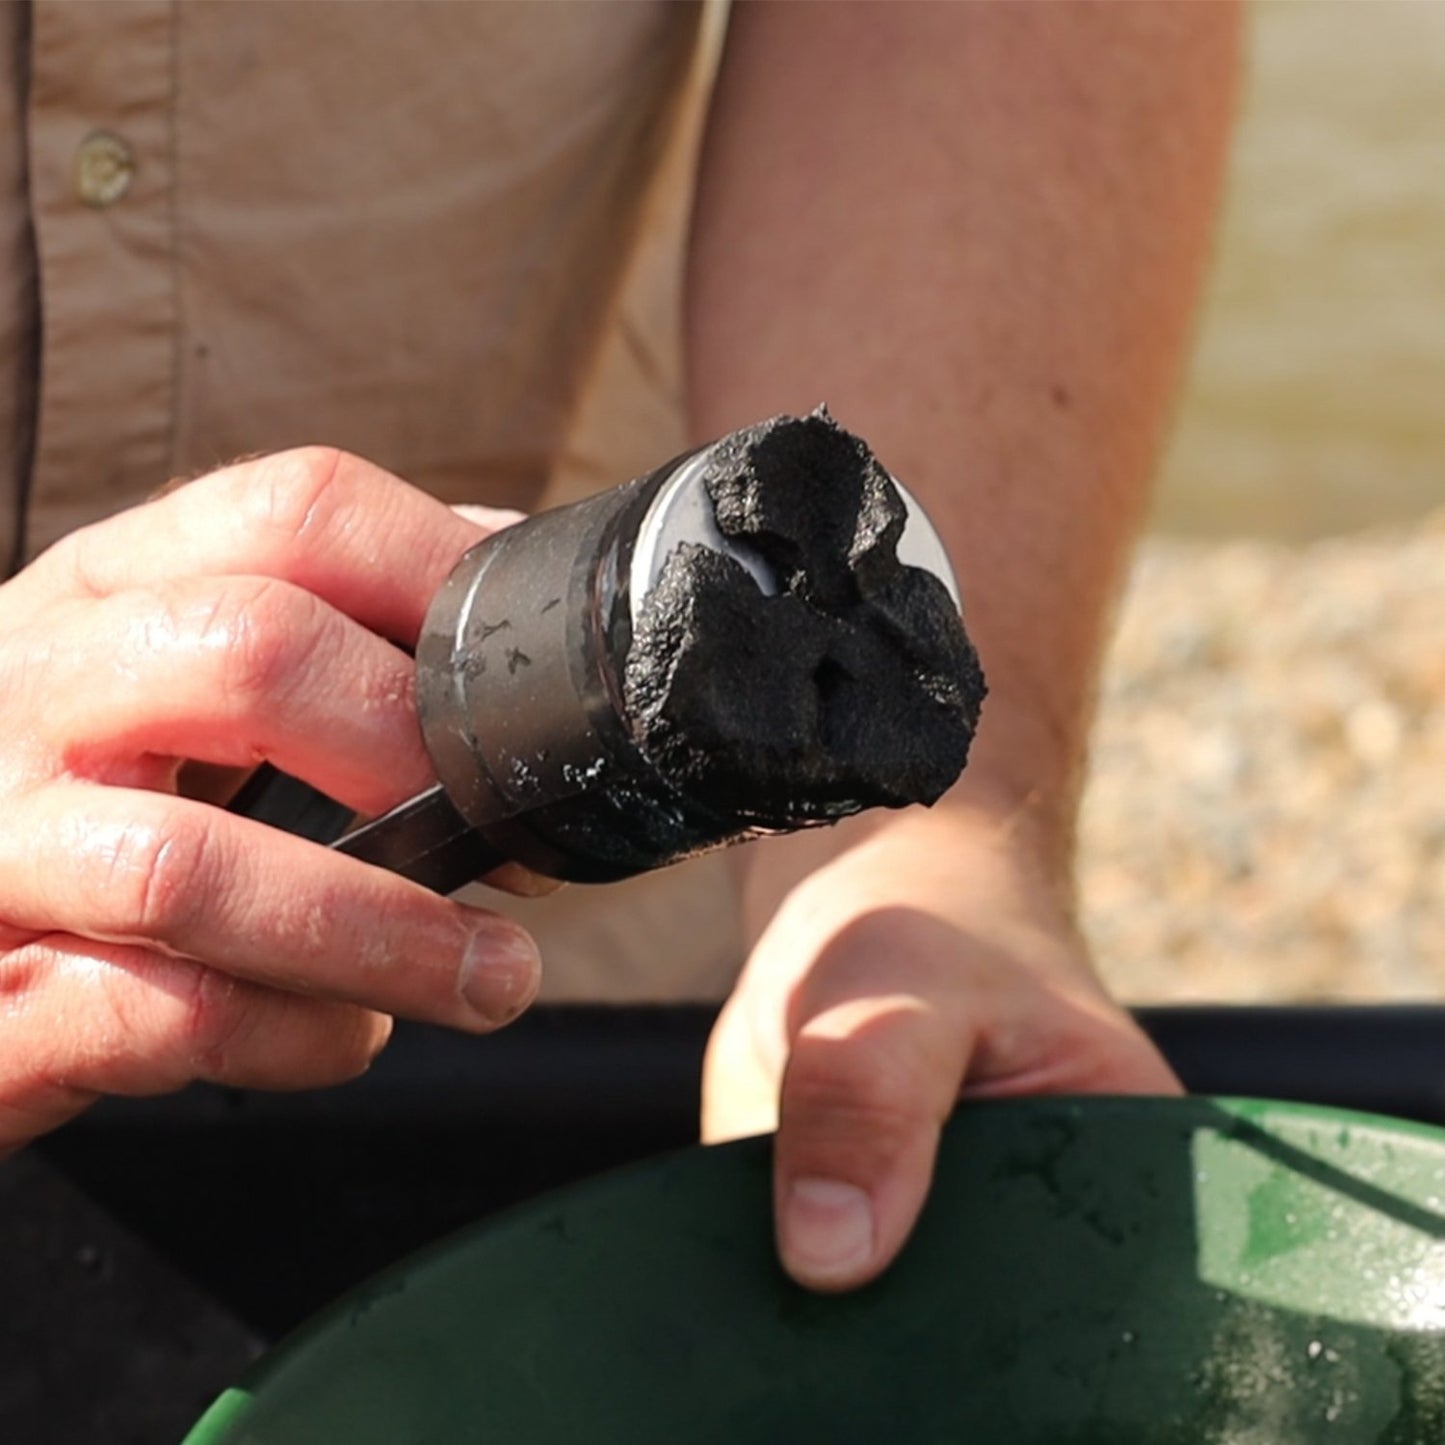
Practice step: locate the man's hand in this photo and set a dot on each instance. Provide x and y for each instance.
(148, 939)
(932, 961)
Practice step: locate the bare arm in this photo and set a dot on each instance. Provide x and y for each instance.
(977, 232)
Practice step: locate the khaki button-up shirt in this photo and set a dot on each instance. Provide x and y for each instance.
(232, 226)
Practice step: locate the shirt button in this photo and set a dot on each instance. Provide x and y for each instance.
(104, 168)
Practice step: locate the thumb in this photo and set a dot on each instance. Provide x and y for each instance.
(868, 1085)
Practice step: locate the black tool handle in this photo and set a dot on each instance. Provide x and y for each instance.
(427, 840)
(424, 839)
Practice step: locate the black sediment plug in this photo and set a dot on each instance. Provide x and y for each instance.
(762, 635)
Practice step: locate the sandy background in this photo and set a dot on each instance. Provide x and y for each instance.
(1266, 817)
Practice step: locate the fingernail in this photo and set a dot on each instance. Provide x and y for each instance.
(500, 974)
(826, 1230)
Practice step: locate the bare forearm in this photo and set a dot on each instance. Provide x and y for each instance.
(977, 232)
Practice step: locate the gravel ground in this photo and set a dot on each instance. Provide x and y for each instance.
(1266, 813)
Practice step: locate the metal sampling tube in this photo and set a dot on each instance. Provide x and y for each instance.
(533, 687)
(521, 703)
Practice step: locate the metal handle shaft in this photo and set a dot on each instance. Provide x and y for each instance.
(424, 839)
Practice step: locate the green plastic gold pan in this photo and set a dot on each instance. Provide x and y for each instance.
(1117, 1272)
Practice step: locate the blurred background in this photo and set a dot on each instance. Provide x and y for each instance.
(1266, 813)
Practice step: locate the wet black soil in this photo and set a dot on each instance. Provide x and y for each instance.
(855, 686)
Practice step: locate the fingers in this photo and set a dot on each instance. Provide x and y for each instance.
(360, 539)
(183, 878)
(148, 939)
(117, 1019)
(870, 1079)
(229, 671)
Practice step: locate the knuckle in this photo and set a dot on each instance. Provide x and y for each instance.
(212, 1023)
(133, 1035)
(24, 969)
(859, 1092)
(150, 874)
(169, 1021)
(259, 633)
(292, 494)
(76, 556)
